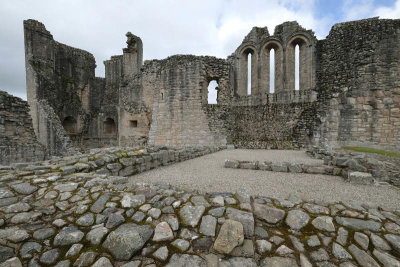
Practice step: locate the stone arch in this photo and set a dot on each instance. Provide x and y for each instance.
(223, 89)
(109, 126)
(265, 65)
(69, 124)
(306, 50)
(243, 70)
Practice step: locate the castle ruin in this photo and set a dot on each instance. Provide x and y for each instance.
(108, 206)
(348, 92)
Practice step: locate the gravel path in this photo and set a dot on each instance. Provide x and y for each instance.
(207, 174)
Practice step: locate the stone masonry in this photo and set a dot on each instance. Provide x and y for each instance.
(77, 205)
(348, 92)
(65, 212)
(17, 139)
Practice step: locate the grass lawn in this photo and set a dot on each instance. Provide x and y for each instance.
(373, 150)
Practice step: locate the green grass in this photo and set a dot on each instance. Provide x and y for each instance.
(373, 150)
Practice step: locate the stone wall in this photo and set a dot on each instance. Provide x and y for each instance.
(179, 85)
(272, 125)
(63, 78)
(17, 139)
(115, 161)
(348, 91)
(359, 85)
(53, 135)
(282, 44)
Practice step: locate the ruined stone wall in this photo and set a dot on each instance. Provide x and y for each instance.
(179, 85)
(52, 133)
(282, 45)
(349, 91)
(359, 86)
(267, 126)
(17, 139)
(271, 125)
(354, 100)
(64, 77)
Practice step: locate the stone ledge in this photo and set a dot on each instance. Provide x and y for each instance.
(351, 176)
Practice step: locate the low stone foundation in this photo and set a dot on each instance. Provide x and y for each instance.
(114, 161)
(349, 175)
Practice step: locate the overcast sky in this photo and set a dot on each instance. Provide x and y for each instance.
(167, 27)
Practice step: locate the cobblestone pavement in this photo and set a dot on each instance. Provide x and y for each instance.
(53, 216)
(208, 174)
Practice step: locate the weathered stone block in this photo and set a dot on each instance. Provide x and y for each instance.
(251, 165)
(230, 163)
(279, 167)
(360, 178)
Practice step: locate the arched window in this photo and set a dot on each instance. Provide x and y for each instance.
(297, 67)
(247, 74)
(212, 92)
(109, 126)
(272, 70)
(69, 124)
(272, 67)
(249, 55)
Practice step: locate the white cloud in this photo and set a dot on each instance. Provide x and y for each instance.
(389, 12)
(357, 9)
(167, 27)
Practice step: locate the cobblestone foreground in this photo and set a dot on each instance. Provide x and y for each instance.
(51, 217)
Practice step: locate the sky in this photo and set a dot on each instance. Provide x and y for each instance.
(167, 27)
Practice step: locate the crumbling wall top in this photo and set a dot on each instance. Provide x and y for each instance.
(371, 25)
(256, 34)
(36, 26)
(134, 43)
(288, 27)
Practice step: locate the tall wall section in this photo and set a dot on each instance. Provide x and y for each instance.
(259, 47)
(359, 85)
(260, 117)
(17, 139)
(169, 98)
(63, 78)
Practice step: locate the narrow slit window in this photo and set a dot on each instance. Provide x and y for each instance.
(249, 74)
(297, 67)
(272, 71)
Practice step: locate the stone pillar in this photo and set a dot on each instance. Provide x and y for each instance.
(242, 75)
(264, 83)
(278, 69)
(132, 55)
(306, 66)
(290, 68)
(39, 55)
(254, 74)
